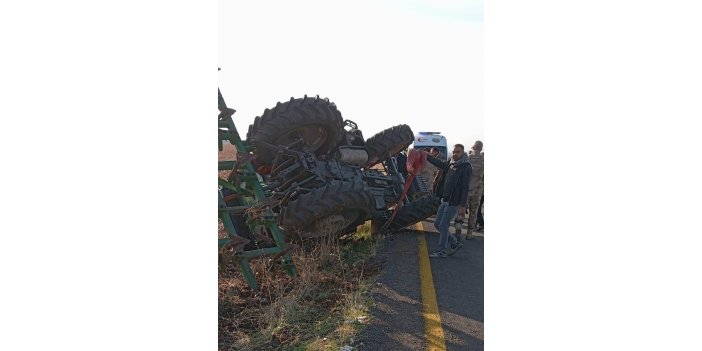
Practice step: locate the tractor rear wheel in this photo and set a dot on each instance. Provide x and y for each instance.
(334, 209)
(314, 120)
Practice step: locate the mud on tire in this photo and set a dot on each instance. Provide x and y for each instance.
(334, 209)
(316, 120)
(414, 212)
(392, 140)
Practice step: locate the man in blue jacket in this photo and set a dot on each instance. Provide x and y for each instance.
(452, 188)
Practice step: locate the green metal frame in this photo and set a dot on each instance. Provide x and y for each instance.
(249, 187)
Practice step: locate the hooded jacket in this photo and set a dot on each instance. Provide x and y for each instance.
(454, 182)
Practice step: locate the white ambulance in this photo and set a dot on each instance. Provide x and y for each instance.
(427, 140)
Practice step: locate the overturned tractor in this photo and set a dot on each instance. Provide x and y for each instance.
(317, 176)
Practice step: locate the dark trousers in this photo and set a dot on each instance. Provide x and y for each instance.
(481, 223)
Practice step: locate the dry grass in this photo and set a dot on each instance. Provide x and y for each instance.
(318, 310)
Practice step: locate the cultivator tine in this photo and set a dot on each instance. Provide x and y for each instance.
(242, 158)
(236, 243)
(231, 197)
(262, 236)
(288, 248)
(258, 210)
(233, 178)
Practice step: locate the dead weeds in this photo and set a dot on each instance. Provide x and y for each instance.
(320, 309)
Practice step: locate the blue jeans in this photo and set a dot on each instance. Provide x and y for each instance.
(444, 215)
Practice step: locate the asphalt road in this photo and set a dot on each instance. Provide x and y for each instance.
(397, 321)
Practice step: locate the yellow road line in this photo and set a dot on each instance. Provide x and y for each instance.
(433, 331)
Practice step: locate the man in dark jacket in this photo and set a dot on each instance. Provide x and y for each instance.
(453, 188)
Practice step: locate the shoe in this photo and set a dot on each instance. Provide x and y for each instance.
(480, 229)
(438, 254)
(455, 248)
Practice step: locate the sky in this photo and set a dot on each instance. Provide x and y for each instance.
(383, 63)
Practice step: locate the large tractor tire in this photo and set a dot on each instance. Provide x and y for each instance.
(334, 209)
(415, 212)
(315, 120)
(390, 141)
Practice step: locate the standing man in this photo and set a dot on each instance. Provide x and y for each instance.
(452, 187)
(477, 161)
